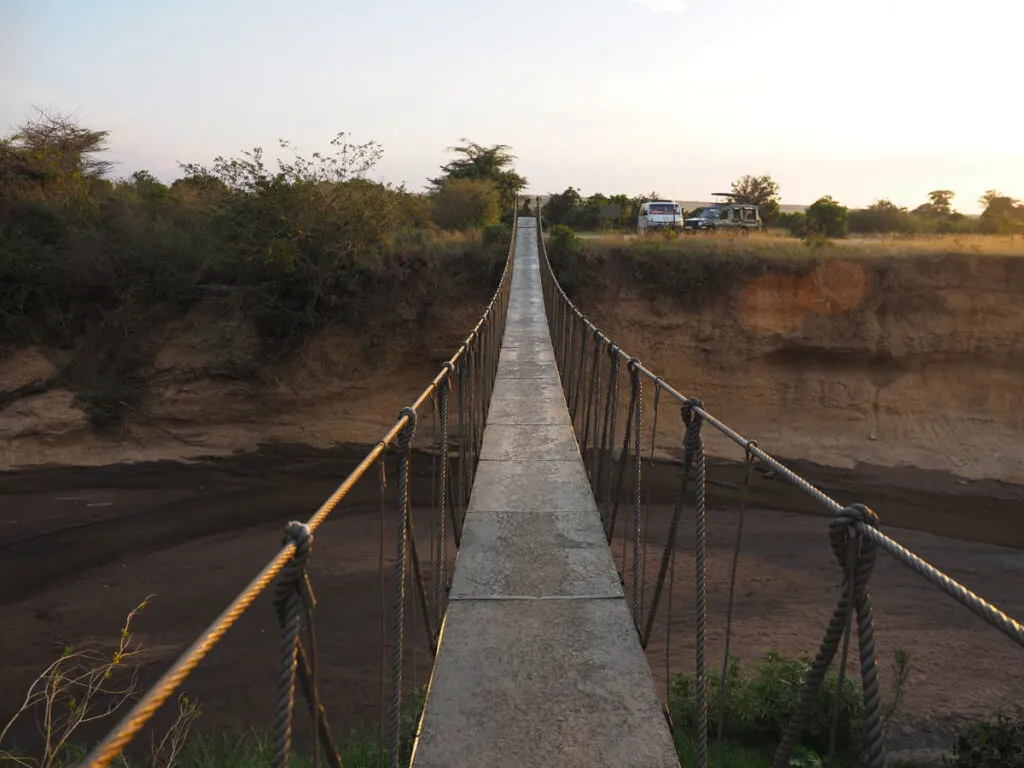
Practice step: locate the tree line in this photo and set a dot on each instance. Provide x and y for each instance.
(826, 216)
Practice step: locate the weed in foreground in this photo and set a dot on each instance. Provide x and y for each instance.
(758, 704)
(996, 741)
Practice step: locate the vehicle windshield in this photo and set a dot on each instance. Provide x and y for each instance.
(710, 213)
(662, 209)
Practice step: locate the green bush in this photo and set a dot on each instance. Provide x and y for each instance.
(497, 235)
(569, 260)
(97, 269)
(758, 705)
(993, 742)
(827, 217)
(466, 204)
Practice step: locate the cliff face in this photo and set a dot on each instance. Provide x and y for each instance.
(913, 362)
(206, 395)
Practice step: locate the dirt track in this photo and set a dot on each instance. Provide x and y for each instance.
(79, 547)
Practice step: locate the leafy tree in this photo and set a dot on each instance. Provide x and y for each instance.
(560, 207)
(882, 217)
(941, 201)
(475, 161)
(466, 203)
(827, 217)
(938, 214)
(761, 191)
(1002, 214)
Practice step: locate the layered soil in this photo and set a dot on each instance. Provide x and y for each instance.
(888, 361)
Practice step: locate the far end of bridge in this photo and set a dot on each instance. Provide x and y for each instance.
(539, 662)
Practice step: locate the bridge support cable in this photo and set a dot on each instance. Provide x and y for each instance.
(470, 374)
(854, 533)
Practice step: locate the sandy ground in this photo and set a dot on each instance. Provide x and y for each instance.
(79, 548)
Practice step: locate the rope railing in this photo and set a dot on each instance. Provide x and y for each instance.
(590, 366)
(464, 383)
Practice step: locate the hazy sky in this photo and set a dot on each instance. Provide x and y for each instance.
(860, 100)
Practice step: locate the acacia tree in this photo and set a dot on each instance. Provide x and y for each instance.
(762, 191)
(941, 201)
(53, 144)
(477, 162)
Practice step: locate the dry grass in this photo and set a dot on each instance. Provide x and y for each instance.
(776, 244)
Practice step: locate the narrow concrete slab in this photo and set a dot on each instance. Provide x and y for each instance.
(514, 369)
(539, 662)
(527, 401)
(531, 486)
(531, 353)
(533, 442)
(568, 553)
(534, 335)
(529, 683)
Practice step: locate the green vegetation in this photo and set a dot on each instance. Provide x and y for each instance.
(825, 217)
(96, 270)
(691, 271)
(479, 163)
(83, 685)
(758, 704)
(996, 741)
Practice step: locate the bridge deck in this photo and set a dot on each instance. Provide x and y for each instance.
(539, 662)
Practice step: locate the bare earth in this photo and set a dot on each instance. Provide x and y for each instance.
(79, 548)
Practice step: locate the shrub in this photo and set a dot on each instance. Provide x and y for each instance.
(466, 204)
(759, 704)
(569, 260)
(993, 742)
(827, 217)
(97, 269)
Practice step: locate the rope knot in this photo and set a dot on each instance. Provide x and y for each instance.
(447, 366)
(293, 574)
(405, 435)
(692, 420)
(633, 366)
(613, 351)
(845, 534)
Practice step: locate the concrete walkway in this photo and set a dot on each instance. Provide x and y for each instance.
(539, 663)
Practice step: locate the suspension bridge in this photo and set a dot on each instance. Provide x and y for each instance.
(537, 633)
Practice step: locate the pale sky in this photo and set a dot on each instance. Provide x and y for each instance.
(860, 100)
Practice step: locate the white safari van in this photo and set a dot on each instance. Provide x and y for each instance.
(659, 213)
